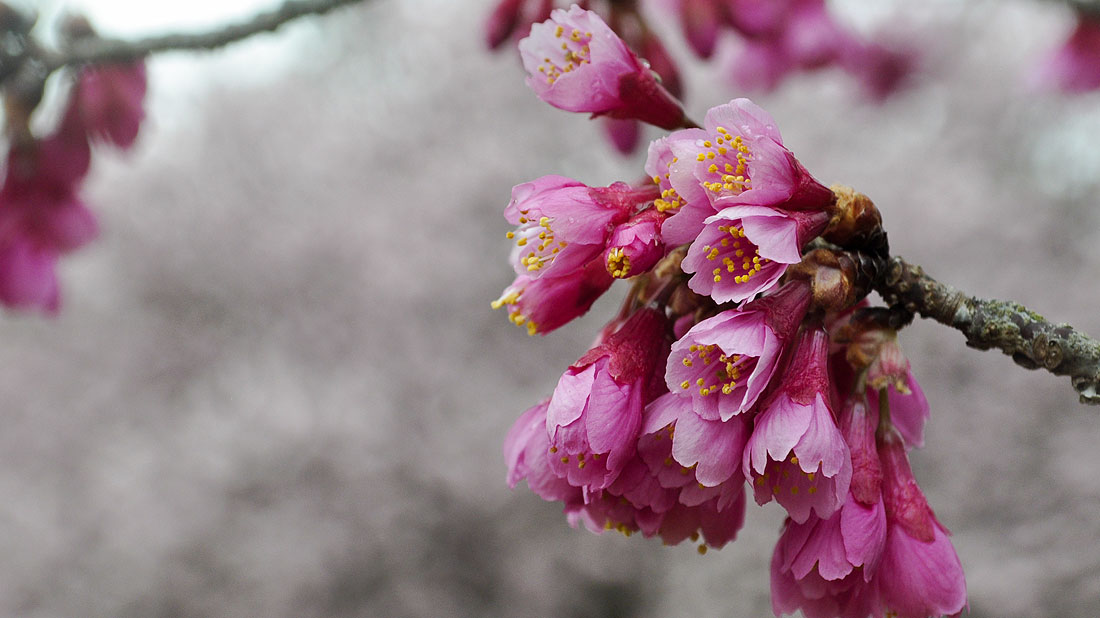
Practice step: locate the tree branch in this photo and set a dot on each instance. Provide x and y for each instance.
(1026, 336)
(97, 50)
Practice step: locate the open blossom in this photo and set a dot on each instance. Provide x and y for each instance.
(920, 574)
(737, 158)
(1075, 67)
(544, 304)
(724, 363)
(575, 62)
(596, 410)
(563, 224)
(797, 455)
(825, 566)
(744, 250)
(683, 482)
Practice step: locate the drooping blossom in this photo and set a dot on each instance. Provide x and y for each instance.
(1075, 67)
(920, 574)
(546, 303)
(575, 62)
(41, 214)
(595, 414)
(635, 247)
(825, 567)
(736, 158)
(796, 454)
(683, 482)
(563, 224)
(526, 453)
(724, 363)
(744, 250)
(110, 99)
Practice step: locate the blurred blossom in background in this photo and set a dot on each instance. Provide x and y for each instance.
(275, 387)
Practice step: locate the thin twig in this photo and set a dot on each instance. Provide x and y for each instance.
(1026, 336)
(97, 50)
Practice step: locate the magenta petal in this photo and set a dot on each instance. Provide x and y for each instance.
(749, 119)
(775, 235)
(778, 429)
(614, 414)
(919, 579)
(518, 437)
(664, 410)
(824, 547)
(570, 397)
(27, 277)
(714, 446)
(864, 530)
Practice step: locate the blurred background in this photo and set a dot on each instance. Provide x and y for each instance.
(275, 387)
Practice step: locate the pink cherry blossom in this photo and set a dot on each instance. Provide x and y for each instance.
(744, 250)
(595, 414)
(110, 99)
(575, 62)
(635, 247)
(797, 455)
(527, 454)
(682, 483)
(1075, 67)
(563, 224)
(920, 574)
(737, 158)
(544, 304)
(724, 363)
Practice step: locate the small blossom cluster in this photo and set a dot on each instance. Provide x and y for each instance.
(41, 214)
(779, 37)
(739, 362)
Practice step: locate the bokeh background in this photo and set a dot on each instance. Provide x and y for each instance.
(276, 388)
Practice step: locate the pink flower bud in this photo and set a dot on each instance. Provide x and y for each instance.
(635, 246)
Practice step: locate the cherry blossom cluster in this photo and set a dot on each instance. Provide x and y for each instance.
(743, 358)
(779, 37)
(41, 213)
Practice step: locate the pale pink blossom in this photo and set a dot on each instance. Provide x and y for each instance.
(724, 363)
(595, 414)
(796, 454)
(544, 304)
(744, 250)
(575, 62)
